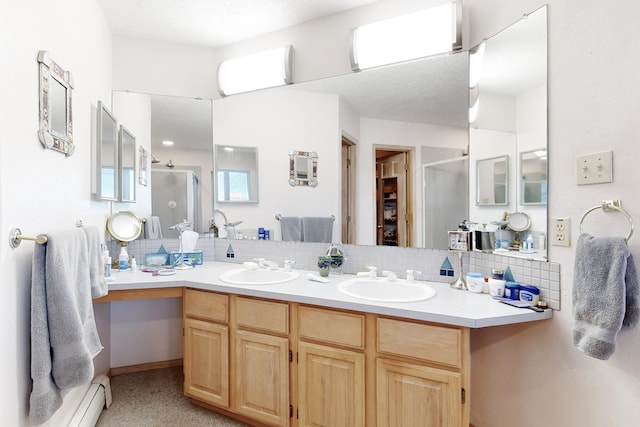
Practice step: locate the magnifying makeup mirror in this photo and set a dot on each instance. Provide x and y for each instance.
(124, 226)
(518, 221)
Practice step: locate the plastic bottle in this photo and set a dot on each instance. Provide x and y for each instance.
(107, 262)
(134, 265)
(123, 259)
(529, 243)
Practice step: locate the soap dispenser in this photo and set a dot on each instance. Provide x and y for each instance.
(123, 259)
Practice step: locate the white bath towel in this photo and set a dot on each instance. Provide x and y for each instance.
(64, 338)
(317, 229)
(291, 227)
(99, 286)
(152, 228)
(605, 294)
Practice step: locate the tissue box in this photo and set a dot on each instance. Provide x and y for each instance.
(192, 257)
(156, 260)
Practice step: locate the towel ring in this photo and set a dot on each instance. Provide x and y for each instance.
(610, 206)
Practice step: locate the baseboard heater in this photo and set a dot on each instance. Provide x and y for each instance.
(94, 401)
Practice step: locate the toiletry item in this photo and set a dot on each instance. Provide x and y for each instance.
(541, 242)
(324, 265)
(106, 261)
(134, 265)
(261, 233)
(123, 259)
(267, 235)
(316, 278)
(512, 290)
(529, 243)
(530, 294)
(475, 282)
(497, 273)
(496, 287)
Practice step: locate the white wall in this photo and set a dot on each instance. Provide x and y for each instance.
(527, 374)
(279, 122)
(42, 190)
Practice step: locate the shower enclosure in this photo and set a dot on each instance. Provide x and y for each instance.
(175, 198)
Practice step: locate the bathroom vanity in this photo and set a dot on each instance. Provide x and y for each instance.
(303, 353)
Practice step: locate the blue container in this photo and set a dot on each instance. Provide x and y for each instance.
(512, 290)
(530, 294)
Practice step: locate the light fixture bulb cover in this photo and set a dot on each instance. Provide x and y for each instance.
(261, 70)
(426, 32)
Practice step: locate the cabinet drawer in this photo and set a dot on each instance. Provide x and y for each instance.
(427, 342)
(330, 326)
(206, 305)
(262, 315)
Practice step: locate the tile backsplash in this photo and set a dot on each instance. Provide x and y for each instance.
(545, 275)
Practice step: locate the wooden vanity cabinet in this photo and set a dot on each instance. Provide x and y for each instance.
(331, 368)
(299, 365)
(260, 361)
(206, 347)
(420, 374)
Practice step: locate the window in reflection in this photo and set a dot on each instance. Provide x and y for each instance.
(233, 186)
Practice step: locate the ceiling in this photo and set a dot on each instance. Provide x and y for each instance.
(214, 23)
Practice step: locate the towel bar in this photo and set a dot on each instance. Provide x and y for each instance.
(278, 217)
(611, 206)
(16, 237)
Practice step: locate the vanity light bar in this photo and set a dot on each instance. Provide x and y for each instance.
(415, 35)
(258, 71)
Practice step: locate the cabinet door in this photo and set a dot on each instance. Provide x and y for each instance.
(413, 395)
(330, 386)
(206, 361)
(261, 377)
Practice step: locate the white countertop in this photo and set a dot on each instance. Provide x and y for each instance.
(449, 306)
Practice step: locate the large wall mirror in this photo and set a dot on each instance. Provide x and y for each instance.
(512, 121)
(175, 133)
(419, 107)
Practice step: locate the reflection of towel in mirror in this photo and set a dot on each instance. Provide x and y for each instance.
(64, 339)
(291, 227)
(605, 294)
(152, 229)
(317, 229)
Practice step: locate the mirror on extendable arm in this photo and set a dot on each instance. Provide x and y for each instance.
(518, 221)
(124, 226)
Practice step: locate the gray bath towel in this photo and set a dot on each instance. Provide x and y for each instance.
(605, 294)
(291, 227)
(317, 229)
(96, 263)
(64, 339)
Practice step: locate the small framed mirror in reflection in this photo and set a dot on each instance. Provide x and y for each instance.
(127, 169)
(106, 154)
(533, 177)
(56, 125)
(303, 168)
(492, 181)
(236, 174)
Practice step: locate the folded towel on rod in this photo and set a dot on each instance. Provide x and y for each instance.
(605, 294)
(152, 229)
(291, 227)
(64, 338)
(317, 229)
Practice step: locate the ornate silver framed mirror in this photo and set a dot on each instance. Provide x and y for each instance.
(303, 168)
(55, 87)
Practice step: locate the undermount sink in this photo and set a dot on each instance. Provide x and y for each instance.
(260, 276)
(383, 290)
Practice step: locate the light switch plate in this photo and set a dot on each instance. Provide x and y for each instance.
(596, 168)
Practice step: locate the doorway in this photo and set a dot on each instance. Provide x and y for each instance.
(348, 190)
(393, 196)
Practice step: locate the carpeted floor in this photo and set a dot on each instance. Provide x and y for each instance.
(155, 398)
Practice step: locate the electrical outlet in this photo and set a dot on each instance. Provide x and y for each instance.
(560, 233)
